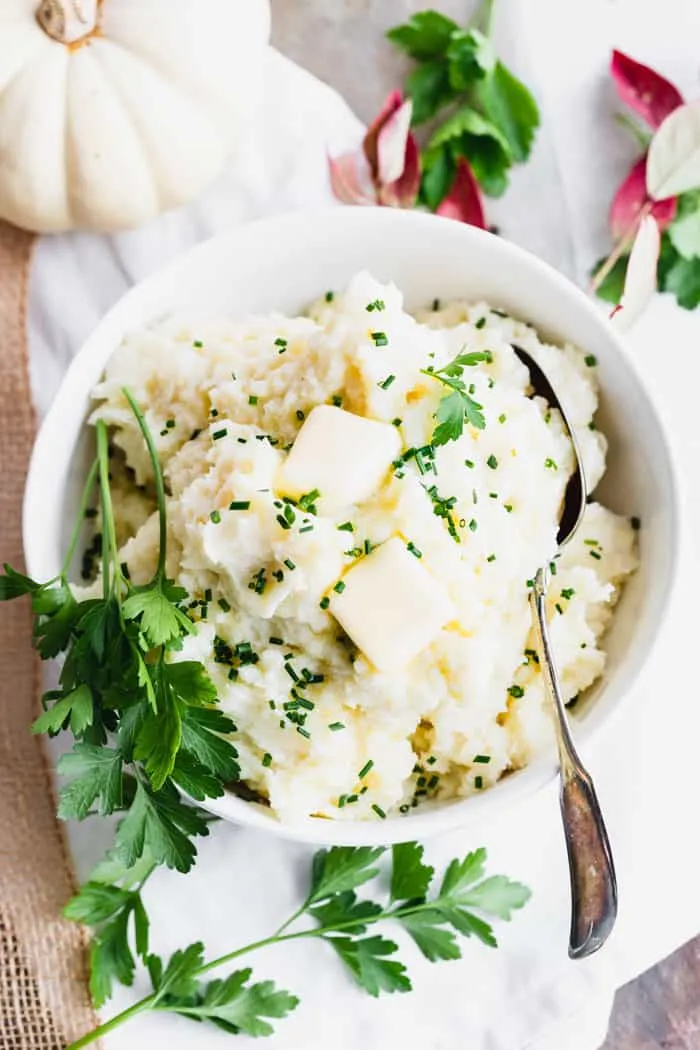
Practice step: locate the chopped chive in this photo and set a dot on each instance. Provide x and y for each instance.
(404, 808)
(516, 691)
(329, 297)
(278, 575)
(559, 609)
(276, 641)
(325, 602)
(339, 587)
(492, 462)
(553, 568)
(213, 412)
(267, 759)
(410, 546)
(208, 595)
(335, 727)
(303, 732)
(469, 463)
(283, 522)
(242, 441)
(379, 338)
(386, 383)
(594, 554)
(337, 400)
(378, 304)
(215, 517)
(436, 305)
(280, 341)
(170, 423)
(233, 674)
(396, 422)
(351, 799)
(481, 323)
(306, 528)
(365, 769)
(502, 417)
(568, 593)
(198, 344)
(368, 546)
(473, 525)
(291, 672)
(240, 504)
(224, 605)
(491, 557)
(529, 583)
(379, 811)
(482, 759)
(347, 526)
(550, 464)
(492, 495)
(636, 523)
(498, 313)
(300, 415)
(253, 399)
(508, 508)
(478, 782)
(290, 564)
(219, 434)
(591, 360)
(342, 799)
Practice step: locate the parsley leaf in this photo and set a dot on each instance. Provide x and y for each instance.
(96, 902)
(428, 931)
(191, 682)
(683, 279)
(510, 107)
(366, 959)
(179, 976)
(438, 174)
(14, 584)
(470, 56)
(201, 727)
(612, 287)
(455, 408)
(428, 86)
(76, 707)
(155, 608)
(427, 34)
(236, 1006)
(97, 773)
(161, 823)
(450, 419)
(343, 908)
(410, 877)
(159, 737)
(111, 958)
(342, 868)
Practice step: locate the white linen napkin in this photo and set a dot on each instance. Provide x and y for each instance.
(527, 994)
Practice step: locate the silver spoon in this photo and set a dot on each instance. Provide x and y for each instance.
(593, 882)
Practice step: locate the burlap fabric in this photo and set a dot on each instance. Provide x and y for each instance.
(44, 1002)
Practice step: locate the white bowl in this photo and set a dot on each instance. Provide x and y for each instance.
(285, 262)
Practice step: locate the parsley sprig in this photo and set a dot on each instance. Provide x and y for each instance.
(434, 913)
(488, 115)
(458, 406)
(145, 724)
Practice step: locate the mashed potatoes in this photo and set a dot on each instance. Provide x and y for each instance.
(321, 730)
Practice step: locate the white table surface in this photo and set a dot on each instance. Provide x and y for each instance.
(246, 883)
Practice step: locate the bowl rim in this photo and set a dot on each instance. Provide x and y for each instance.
(456, 814)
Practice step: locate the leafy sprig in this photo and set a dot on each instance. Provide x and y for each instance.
(458, 406)
(490, 115)
(144, 722)
(433, 914)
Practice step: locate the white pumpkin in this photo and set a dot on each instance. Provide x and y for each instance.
(112, 111)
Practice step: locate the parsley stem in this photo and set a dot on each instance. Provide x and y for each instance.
(109, 534)
(80, 516)
(115, 1022)
(157, 477)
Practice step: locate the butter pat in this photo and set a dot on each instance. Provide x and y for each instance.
(391, 606)
(343, 456)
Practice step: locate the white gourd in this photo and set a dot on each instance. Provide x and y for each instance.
(112, 111)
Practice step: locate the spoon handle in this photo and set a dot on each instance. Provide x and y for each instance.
(593, 882)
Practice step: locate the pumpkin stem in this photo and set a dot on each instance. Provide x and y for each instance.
(68, 21)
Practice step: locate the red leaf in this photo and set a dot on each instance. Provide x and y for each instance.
(370, 145)
(631, 198)
(643, 90)
(463, 202)
(350, 179)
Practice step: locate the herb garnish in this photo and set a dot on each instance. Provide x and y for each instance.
(458, 406)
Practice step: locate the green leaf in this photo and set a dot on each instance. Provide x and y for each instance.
(467, 122)
(141, 927)
(162, 824)
(450, 419)
(437, 178)
(13, 584)
(159, 734)
(343, 908)
(410, 877)
(468, 925)
(180, 975)
(110, 871)
(684, 234)
(613, 286)
(53, 631)
(238, 1007)
(427, 34)
(190, 682)
(342, 868)
(97, 773)
(511, 108)
(428, 86)
(367, 960)
(498, 896)
(111, 958)
(97, 624)
(683, 279)
(461, 874)
(191, 776)
(434, 941)
(471, 57)
(201, 729)
(77, 706)
(95, 903)
(155, 607)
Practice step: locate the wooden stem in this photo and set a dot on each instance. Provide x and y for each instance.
(68, 21)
